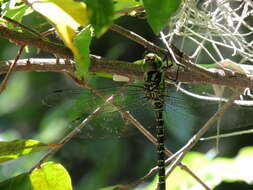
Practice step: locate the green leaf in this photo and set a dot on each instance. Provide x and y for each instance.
(14, 149)
(82, 44)
(51, 176)
(124, 4)
(18, 182)
(159, 12)
(100, 14)
(16, 13)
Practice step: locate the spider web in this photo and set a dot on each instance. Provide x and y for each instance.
(211, 31)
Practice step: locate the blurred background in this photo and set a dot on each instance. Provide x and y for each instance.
(30, 108)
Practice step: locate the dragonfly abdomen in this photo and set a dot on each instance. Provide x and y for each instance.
(154, 89)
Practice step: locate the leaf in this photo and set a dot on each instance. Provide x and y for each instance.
(21, 181)
(16, 13)
(125, 4)
(82, 44)
(50, 176)
(100, 14)
(14, 149)
(121, 5)
(67, 15)
(159, 12)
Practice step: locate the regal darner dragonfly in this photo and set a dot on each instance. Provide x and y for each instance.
(154, 90)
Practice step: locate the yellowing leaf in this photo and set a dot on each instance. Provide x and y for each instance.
(50, 176)
(67, 15)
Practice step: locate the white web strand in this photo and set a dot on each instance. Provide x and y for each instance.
(215, 30)
(211, 31)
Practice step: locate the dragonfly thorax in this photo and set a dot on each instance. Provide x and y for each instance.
(154, 87)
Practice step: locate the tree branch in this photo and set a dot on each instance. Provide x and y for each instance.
(131, 70)
(98, 64)
(23, 39)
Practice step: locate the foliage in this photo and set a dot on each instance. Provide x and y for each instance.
(159, 13)
(213, 171)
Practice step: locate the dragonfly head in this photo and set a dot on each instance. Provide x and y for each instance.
(154, 60)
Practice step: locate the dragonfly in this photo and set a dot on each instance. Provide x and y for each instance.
(135, 100)
(154, 91)
(154, 88)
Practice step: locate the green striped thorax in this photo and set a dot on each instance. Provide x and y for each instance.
(154, 85)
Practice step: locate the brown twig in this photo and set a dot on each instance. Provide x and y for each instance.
(10, 70)
(138, 39)
(168, 153)
(181, 153)
(173, 52)
(76, 130)
(15, 23)
(114, 66)
(119, 67)
(139, 126)
(147, 134)
(23, 39)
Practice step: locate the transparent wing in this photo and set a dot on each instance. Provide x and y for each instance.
(109, 123)
(185, 120)
(183, 115)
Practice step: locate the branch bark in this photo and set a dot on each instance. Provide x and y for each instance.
(99, 64)
(122, 68)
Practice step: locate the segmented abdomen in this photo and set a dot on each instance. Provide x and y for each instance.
(154, 92)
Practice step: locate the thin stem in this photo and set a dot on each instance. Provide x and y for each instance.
(138, 39)
(21, 39)
(131, 70)
(168, 153)
(142, 129)
(11, 69)
(202, 131)
(15, 23)
(76, 130)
